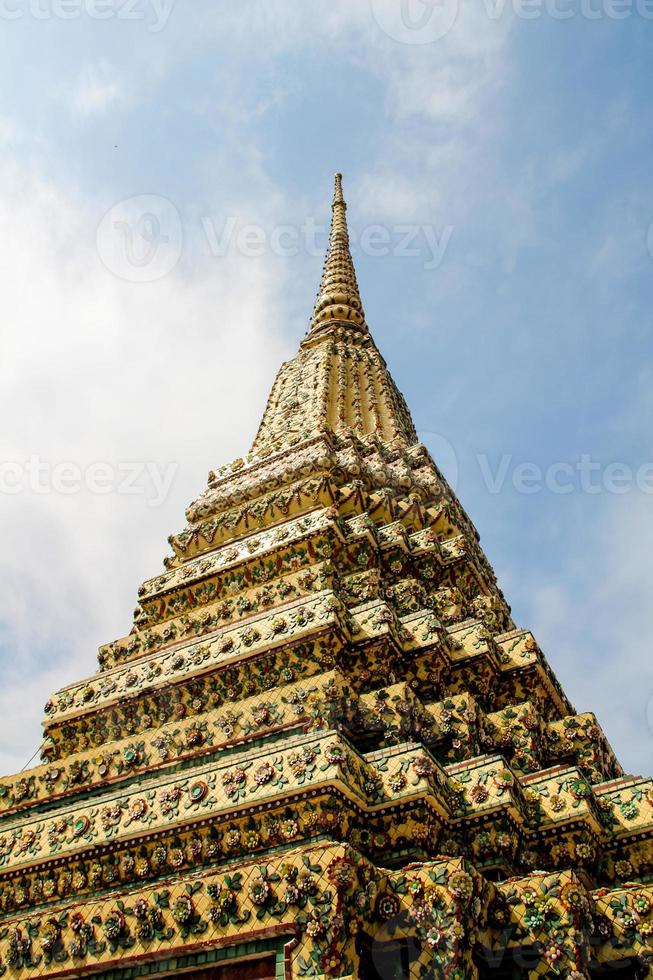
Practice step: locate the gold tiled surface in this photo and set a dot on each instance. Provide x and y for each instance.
(327, 895)
(327, 655)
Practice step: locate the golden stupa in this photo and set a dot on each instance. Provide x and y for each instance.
(325, 749)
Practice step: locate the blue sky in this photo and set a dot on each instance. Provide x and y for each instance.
(517, 141)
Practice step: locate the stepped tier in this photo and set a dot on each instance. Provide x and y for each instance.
(303, 900)
(325, 749)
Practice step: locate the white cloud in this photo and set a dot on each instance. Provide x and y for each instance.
(96, 88)
(98, 369)
(178, 370)
(601, 640)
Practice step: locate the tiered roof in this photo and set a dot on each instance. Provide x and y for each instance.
(324, 734)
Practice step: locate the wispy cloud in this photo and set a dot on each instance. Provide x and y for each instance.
(97, 88)
(600, 633)
(532, 332)
(96, 369)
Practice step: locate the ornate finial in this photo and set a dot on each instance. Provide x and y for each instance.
(337, 191)
(338, 299)
(342, 384)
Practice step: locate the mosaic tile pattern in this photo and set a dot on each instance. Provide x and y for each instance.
(324, 735)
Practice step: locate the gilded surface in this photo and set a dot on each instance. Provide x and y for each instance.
(324, 730)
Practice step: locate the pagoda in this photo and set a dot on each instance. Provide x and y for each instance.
(325, 749)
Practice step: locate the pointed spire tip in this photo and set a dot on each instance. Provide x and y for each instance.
(337, 191)
(338, 299)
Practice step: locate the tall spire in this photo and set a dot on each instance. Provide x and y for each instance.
(338, 381)
(338, 299)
